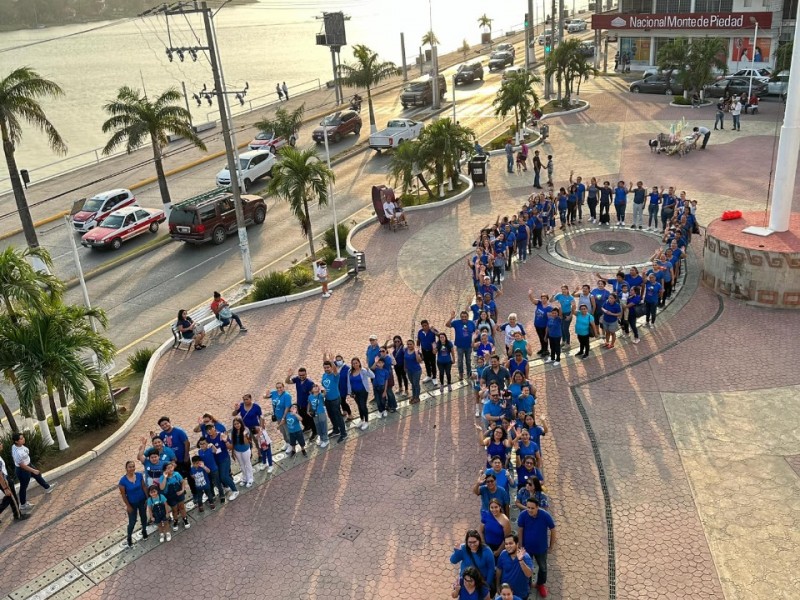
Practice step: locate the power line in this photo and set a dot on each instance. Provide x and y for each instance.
(68, 35)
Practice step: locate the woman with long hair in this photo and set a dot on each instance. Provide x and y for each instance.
(471, 586)
(239, 443)
(495, 526)
(445, 354)
(473, 553)
(358, 384)
(398, 353)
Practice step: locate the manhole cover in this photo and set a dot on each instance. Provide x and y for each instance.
(406, 472)
(350, 532)
(611, 247)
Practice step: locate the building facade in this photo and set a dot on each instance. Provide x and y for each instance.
(644, 26)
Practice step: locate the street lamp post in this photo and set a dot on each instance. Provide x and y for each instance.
(330, 193)
(752, 59)
(454, 100)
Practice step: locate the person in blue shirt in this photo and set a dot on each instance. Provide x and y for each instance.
(157, 512)
(605, 202)
(294, 426)
(444, 361)
(612, 312)
(207, 454)
(165, 454)
(584, 329)
(600, 295)
(281, 401)
(534, 525)
(620, 202)
(572, 205)
(523, 235)
(176, 438)
(652, 295)
(487, 488)
(567, 302)
(634, 303)
(491, 306)
(333, 405)
(471, 585)
(413, 364)
(654, 200)
(344, 372)
(540, 316)
(506, 593)
(153, 467)
(373, 350)
(537, 226)
(633, 278)
(474, 553)
(202, 484)
(249, 411)
(218, 443)
(554, 333)
(133, 490)
(303, 387)
(390, 398)
(580, 191)
(426, 339)
(524, 403)
(379, 384)
(464, 329)
(316, 407)
(514, 567)
(563, 206)
(173, 485)
(668, 202)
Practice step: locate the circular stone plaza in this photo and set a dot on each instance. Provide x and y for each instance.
(672, 465)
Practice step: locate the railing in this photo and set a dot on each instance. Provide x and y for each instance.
(314, 85)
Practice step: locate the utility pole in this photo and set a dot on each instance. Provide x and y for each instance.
(403, 53)
(224, 116)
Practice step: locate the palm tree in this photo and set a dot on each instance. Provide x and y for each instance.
(485, 22)
(20, 93)
(284, 124)
(49, 347)
(562, 62)
(783, 56)
(300, 178)
(672, 56)
(517, 95)
(405, 163)
(430, 39)
(134, 118)
(367, 72)
(441, 145)
(582, 71)
(705, 54)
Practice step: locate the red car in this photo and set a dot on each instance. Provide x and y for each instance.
(268, 139)
(123, 225)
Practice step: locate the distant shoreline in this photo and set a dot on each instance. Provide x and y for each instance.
(86, 19)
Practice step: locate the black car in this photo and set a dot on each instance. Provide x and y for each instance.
(500, 60)
(587, 49)
(469, 73)
(734, 86)
(657, 84)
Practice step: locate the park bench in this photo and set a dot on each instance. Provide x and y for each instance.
(202, 316)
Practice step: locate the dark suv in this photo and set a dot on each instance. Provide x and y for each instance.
(735, 86)
(657, 84)
(421, 92)
(212, 216)
(500, 60)
(469, 73)
(338, 124)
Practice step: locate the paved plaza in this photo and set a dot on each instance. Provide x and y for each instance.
(673, 465)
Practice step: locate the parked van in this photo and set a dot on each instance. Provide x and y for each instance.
(420, 92)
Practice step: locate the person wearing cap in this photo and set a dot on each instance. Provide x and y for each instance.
(221, 310)
(373, 350)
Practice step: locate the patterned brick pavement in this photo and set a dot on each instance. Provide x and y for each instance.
(281, 540)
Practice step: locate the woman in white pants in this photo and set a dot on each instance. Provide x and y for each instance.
(240, 444)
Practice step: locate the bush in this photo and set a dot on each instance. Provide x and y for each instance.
(328, 255)
(139, 359)
(301, 275)
(93, 414)
(680, 100)
(35, 443)
(272, 285)
(330, 238)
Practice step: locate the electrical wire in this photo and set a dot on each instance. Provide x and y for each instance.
(68, 35)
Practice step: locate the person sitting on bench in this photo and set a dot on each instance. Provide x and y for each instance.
(389, 211)
(399, 213)
(223, 312)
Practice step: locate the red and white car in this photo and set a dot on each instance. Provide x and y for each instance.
(268, 140)
(98, 207)
(123, 225)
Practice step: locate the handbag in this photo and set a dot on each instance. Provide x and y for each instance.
(225, 313)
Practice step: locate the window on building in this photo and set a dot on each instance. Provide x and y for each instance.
(790, 9)
(713, 6)
(636, 7)
(637, 49)
(673, 6)
(660, 43)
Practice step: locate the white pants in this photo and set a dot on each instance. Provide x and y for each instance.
(638, 214)
(243, 458)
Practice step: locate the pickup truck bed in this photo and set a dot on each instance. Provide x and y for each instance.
(398, 131)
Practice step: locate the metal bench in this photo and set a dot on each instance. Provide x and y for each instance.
(202, 316)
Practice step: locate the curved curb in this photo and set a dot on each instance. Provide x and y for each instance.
(571, 111)
(370, 220)
(691, 106)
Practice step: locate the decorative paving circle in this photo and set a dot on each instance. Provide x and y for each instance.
(612, 247)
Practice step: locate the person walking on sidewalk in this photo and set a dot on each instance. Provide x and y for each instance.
(719, 118)
(25, 470)
(509, 156)
(279, 91)
(533, 526)
(8, 493)
(285, 91)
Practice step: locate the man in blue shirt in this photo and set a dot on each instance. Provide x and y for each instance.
(303, 386)
(514, 567)
(426, 338)
(165, 454)
(333, 403)
(620, 202)
(639, 196)
(176, 438)
(533, 525)
(281, 401)
(388, 363)
(652, 295)
(372, 350)
(464, 330)
(486, 487)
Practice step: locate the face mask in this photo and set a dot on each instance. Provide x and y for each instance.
(338, 363)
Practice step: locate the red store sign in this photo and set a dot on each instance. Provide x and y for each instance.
(739, 20)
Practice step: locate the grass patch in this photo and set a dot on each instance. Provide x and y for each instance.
(424, 197)
(298, 278)
(499, 142)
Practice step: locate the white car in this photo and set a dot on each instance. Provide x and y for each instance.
(576, 25)
(98, 207)
(761, 74)
(778, 84)
(547, 35)
(511, 72)
(253, 165)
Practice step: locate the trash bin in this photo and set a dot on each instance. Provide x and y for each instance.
(477, 169)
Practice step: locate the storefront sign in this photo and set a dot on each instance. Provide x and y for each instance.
(682, 21)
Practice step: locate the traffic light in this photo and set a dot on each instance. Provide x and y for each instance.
(527, 21)
(547, 49)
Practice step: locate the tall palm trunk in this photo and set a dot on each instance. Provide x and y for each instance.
(41, 418)
(19, 192)
(62, 440)
(12, 422)
(372, 126)
(162, 179)
(64, 401)
(310, 233)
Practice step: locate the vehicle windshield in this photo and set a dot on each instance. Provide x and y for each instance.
(396, 124)
(114, 221)
(331, 120)
(93, 204)
(243, 163)
(499, 54)
(182, 217)
(265, 135)
(414, 87)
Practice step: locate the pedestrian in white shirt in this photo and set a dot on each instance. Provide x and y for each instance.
(321, 273)
(25, 470)
(8, 493)
(736, 110)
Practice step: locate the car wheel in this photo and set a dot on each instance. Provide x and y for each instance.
(337, 137)
(116, 243)
(405, 105)
(668, 92)
(261, 214)
(218, 236)
(246, 184)
(154, 227)
(635, 89)
(357, 130)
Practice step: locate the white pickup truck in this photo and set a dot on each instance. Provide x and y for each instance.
(397, 131)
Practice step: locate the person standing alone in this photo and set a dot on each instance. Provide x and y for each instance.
(719, 119)
(736, 111)
(705, 132)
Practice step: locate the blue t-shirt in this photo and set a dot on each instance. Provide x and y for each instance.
(615, 310)
(200, 477)
(583, 323)
(176, 439)
(167, 455)
(344, 371)
(153, 470)
(133, 489)
(667, 270)
(463, 333)
(251, 416)
(530, 450)
(293, 423)
(633, 281)
(410, 361)
(151, 502)
(554, 327)
(651, 291)
(478, 594)
(317, 403)
(330, 381)
(580, 189)
(512, 574)
(426, 339)
(483, 561)
(372, 354)
(565, 300)
(280, 403)
(381, 377)
(303, 387)
(655, 197)
(525, 403)
(486, 496)
(493, 409)
(541, 314)
(600, 296)
(620, 195)
(222, 448)
(219, 427)
(174, 486)
(534, 538)
(443, 353)
(209, 458)
(356, 382)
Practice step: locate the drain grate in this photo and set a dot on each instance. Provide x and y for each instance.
(350, 532)
(611, 247)
(406, 472)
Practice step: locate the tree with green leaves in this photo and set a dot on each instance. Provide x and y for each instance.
(405, 163)
(517, 95)
(564, 62)
(783, 56)
(485, 22)
(705, 55)
(430, 39)
(20, 94)
(366, 72)
(284, 124)
(582, 70)
(135, 119)
(441, 145)
(300, 178)
(673, 56)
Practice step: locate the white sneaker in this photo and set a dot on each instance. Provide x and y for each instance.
(328, 295)
(548, 359)
(324, 444)
(363, 426)
(477, 412)
(261, 467)
(556, 363)
(380, 414)
(385, 414)
(161, 539)
(50, 489)
(635, 340)
(286, 447)
(169, 536)
(249, 484)
(426, 380)
(318, 441)
(233, 496)
(26, 506)
(270, 469)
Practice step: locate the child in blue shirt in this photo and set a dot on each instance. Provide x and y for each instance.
(316, 408)
(201, 475)
(174, 487)
(157, 512)
(295, 428)
(264, 444)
